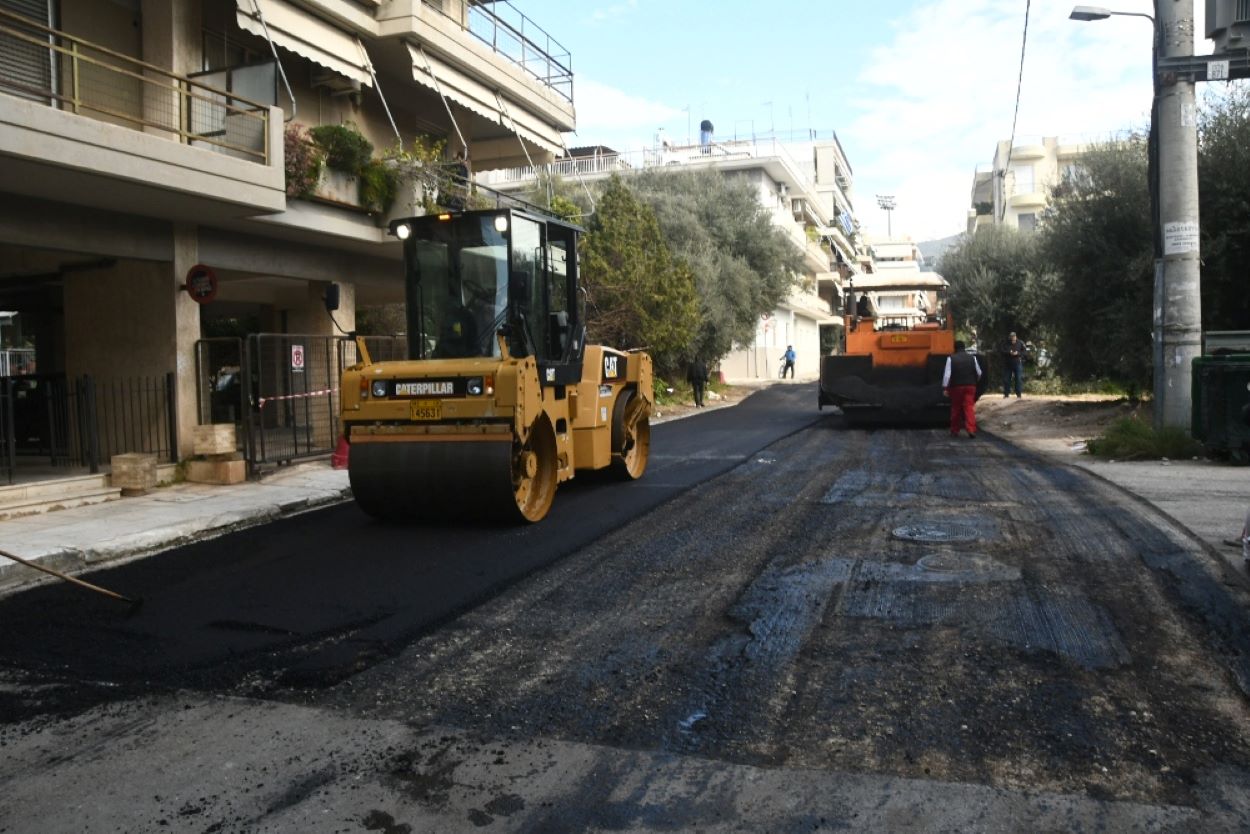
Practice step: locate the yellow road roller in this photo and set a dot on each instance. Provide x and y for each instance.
(500, 399)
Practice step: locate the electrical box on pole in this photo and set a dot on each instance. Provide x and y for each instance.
(1228, 24)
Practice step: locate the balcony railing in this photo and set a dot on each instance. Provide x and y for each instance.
(511, 34)
(66, 72)
(607, 163)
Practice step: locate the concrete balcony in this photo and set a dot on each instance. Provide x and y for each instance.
(1028, 151)
(507, 73)
(1030, 199)
(115, 133)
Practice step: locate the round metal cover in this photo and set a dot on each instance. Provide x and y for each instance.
(937, 532)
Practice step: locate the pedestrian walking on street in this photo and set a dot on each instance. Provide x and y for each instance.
(788, 357)
(696, 375)
(1013, 354)
(959, 383)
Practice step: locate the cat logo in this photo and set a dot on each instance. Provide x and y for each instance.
(611, 368)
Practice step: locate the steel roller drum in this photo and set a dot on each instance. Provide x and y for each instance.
(434, 480)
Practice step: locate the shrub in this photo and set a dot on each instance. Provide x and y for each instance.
(378, 186)
(345, 148)
(302, 159)
(1132, 439)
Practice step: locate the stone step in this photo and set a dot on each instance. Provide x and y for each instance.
(56, 494)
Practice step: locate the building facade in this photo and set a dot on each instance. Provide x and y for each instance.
(806, 188)
(1016, 188)
(146, 194)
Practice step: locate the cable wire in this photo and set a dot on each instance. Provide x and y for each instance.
(1024, 42)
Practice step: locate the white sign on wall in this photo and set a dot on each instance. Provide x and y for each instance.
(297, 358)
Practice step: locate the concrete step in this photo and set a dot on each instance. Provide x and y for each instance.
(55, 494)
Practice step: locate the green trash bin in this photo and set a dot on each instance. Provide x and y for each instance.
(1221, 405)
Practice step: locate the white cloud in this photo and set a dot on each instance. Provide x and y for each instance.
(936, 99)
(615, 118)
(615, 10)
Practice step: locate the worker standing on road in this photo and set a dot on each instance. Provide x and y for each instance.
(959, 383)
(1013, 353)
(696, 375)
(789, 357)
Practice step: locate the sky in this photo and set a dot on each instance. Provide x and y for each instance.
(918, 92)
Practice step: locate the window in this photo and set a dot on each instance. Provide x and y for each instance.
(1022, 176)
(1027, 222)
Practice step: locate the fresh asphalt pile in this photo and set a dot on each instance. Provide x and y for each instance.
(889, 630)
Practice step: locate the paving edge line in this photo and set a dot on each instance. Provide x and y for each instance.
(16, 577)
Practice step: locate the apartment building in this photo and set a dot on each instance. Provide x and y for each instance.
(898, 287)
(807, 189)
(1015, 189)
(146, 201)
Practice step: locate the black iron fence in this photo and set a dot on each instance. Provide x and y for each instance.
(81, 422)
(280, 390)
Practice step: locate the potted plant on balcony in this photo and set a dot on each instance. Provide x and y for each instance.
(347, 153)
(303, 161)
(427, 183)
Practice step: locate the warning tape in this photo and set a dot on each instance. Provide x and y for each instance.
(305, 395)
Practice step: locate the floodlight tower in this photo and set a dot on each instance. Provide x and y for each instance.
(886, 201)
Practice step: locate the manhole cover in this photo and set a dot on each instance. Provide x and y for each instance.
(937, 532)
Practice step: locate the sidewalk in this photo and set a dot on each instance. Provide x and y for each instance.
(71, 539)
(1209, 499)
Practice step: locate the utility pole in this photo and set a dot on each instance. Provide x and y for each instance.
(1178, 280)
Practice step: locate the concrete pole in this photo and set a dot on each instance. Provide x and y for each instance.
(1178, 290)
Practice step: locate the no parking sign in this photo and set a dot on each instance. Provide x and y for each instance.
(297, 359)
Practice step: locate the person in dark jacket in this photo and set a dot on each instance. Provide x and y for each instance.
(696, 375)
(1013, 355)
(959, 383)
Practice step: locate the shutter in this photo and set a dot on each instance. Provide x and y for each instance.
(25, 68)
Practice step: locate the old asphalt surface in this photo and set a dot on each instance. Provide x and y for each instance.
(813, 659)
(1208, 499)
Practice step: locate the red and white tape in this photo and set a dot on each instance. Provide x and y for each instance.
(302, 396)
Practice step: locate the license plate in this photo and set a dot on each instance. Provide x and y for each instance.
(425, 409)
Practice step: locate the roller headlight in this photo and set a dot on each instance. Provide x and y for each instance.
(475, 386)
(402, 231)
(379, 388)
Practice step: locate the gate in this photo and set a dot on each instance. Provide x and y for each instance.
(280, 390)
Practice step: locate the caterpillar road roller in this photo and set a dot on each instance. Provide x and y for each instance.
(500, 399)
(899, 332)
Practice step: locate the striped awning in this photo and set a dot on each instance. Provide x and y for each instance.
(471, 94)
(303, 33)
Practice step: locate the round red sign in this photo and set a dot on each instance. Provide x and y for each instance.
(201, 283)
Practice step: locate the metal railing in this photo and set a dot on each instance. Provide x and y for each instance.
(514, 36)
(81, 422)
(693, 155)
(72, 74)
(17, 361)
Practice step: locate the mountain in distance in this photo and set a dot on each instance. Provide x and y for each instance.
(932, 250)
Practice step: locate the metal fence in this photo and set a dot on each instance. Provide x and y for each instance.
(81, 422)
(280, 390)
(61, 70)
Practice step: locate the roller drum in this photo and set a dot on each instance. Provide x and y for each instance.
(434, 481)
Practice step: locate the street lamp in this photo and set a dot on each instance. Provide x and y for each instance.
(1099, 13)
(886, 201)
(1174, 211)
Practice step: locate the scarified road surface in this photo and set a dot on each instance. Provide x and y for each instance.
(849, 629)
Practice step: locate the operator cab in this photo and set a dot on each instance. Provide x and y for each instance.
(473, 276)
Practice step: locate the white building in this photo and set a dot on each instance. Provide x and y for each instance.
(805, 186)
(1016, 188)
